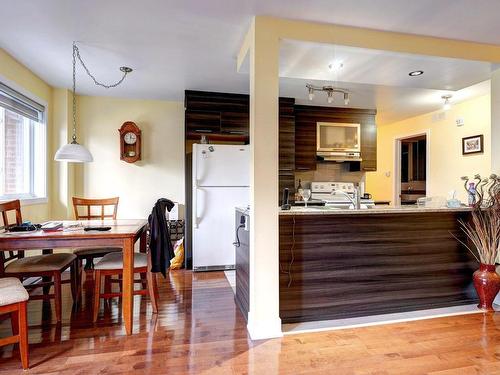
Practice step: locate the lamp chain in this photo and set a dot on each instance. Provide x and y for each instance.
(76, 55)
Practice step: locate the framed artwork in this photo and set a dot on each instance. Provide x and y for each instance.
(473, 145)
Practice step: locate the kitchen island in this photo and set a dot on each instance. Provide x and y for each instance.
(349, 263)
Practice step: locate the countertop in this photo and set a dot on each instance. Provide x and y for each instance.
(371, 211)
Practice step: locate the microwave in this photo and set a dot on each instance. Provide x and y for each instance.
(338, 141)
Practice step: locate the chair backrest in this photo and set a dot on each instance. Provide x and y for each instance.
(5, 208)
(91, 203)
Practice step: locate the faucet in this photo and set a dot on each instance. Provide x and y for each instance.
(356, 201)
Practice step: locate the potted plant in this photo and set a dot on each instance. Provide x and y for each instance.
(483, 232)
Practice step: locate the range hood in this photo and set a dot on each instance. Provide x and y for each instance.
(339, 156)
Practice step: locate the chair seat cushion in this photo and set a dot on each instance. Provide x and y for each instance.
(40, 263)
(12, 291)
(114, 261)
(89, 251)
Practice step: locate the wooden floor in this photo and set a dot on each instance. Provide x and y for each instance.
(200, 331)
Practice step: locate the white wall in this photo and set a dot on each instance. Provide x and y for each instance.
(159, 174)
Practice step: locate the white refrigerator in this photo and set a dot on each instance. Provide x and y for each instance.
(221, 180)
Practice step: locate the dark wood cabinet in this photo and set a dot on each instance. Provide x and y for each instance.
(306, 118)
(369, 144)
(220, 116)
(286, 146)
(305, 138)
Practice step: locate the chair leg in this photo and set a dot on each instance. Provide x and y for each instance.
(57, 295)
(14, 320)
(107, 285)
(153, 291)
(89, 263)
(97, 294)
(75, 283)
(144, 280)
(23, 335)
(46, 288)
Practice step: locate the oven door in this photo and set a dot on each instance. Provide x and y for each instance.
(335, 137)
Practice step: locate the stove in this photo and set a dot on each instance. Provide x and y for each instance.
(323, 191)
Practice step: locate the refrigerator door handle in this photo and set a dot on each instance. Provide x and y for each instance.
(195, 205)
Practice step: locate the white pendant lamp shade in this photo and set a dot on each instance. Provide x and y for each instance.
(73, 153)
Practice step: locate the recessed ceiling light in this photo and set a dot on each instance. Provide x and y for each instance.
(416, 73)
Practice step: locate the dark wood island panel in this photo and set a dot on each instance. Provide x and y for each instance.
(344, 265)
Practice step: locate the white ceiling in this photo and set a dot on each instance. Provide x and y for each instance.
(192, 44)
(374, 67)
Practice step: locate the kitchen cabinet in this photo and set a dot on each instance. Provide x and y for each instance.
(369, 144)
(286, 146)
(219, 116)
(306, 118)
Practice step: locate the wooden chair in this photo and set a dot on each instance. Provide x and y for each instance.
(13, 299)
(112, 264)
(90, 253)
(49, 267)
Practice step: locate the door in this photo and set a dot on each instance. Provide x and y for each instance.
(413, 169)
(221, 165)
(213, 225)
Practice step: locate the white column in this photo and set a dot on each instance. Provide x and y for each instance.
(263, 317)
(495, 122)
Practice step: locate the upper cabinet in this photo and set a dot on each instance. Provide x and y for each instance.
(306, 118)
(219, 116)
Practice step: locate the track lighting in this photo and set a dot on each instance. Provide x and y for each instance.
(447, 104)
(346, 98)
(311, 93)
(330, 91)
(329, 97)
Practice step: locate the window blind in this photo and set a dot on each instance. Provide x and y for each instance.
(14, 101)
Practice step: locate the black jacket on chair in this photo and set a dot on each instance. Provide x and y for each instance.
(160, 244)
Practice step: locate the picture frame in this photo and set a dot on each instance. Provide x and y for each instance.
(473, 145)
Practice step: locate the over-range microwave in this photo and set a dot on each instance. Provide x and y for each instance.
(338, 141)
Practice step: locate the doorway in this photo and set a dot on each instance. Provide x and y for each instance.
(412, 167)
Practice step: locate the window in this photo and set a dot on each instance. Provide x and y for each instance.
(23, 142)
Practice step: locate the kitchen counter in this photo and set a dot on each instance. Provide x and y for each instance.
(369, 211)
(348, 263)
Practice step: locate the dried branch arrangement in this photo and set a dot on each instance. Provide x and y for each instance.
(483, 230)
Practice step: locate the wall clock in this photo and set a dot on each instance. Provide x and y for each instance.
(130, 142)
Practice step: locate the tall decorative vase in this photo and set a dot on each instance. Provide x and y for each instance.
(487, 284)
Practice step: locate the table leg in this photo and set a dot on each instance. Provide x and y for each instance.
(128, 284)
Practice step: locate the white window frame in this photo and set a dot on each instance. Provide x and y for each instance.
(30, 199)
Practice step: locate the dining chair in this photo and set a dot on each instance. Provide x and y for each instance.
(13, 299)
(112, 264)
(48, 267)
(85, 209)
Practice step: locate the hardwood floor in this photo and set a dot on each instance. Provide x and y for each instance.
(200, 331)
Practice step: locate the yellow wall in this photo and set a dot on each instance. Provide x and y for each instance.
(160, 173)
(447, 164)
(17, 75)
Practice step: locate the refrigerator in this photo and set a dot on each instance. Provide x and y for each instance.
(221, 180)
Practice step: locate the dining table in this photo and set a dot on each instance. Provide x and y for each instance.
(124, 233)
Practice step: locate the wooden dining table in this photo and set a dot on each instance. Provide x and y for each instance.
(123, 233)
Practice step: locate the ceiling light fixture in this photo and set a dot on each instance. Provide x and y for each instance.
(336, 65)
(330, 91)
(416, 73)
(75, 152)
(329, 97)
(311, 93)
(447, 104)
(346, 98)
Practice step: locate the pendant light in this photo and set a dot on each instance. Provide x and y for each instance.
(74, 152)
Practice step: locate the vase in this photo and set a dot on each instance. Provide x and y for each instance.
(487, 284)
